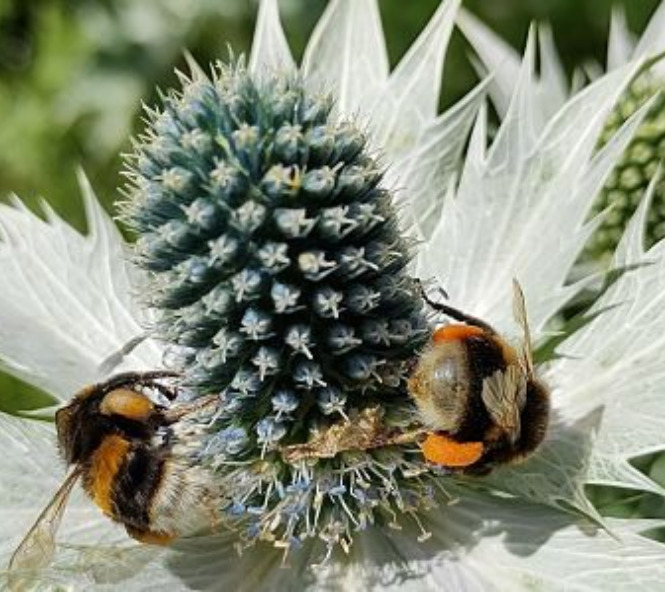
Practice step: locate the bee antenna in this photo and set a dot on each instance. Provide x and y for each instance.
(452, 312)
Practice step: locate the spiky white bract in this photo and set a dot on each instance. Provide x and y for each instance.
(525, 200)
(480, 540)
(497, 56)
(66, 302)
(651, 42)
(270, 50)
(623, 189)
(614, 364)
(620, 43)
(421, 149)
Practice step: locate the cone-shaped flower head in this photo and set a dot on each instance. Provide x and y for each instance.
(278, 274)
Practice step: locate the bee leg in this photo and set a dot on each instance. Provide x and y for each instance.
(148, 378)
(117, 357)
(170, 393)
(176, 413)
(452, 312)
(406, 438)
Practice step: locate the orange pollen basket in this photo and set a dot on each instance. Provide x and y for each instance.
(442, 450)
(106, 462)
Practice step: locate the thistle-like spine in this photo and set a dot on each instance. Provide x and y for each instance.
(279, 273)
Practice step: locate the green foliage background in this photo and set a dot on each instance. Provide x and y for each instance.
(73, 74)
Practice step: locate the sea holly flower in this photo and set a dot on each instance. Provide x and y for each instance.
(625, 187)
(518, 210)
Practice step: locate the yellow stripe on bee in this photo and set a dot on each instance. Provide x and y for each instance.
(150, 537)
(456, 332)
(105, 464)
(127, 403)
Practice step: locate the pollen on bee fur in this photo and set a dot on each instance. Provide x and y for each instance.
(441, 450)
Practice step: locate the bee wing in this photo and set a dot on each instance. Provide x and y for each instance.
(503, 395)
(519, 312)
(37, 548)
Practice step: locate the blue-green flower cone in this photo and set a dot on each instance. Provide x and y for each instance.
(279, 278)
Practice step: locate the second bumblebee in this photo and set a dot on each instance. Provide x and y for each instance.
(133, 457)
(479, 395)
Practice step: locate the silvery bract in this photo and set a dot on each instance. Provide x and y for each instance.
(516, 209)
(625, 187)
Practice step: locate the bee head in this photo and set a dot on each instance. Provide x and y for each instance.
(68, 427)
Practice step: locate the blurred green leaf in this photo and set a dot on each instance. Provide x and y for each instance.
(17, 397)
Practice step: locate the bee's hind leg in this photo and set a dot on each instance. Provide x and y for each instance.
(177, 412)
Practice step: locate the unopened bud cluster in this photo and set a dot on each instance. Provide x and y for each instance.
(629, 180)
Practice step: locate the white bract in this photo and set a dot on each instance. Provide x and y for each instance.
(499, 58)
(518, 210)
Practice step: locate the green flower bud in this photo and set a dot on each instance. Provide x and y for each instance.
(629, 181)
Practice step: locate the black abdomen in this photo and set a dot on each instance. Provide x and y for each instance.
(484, 357)
(136, 483)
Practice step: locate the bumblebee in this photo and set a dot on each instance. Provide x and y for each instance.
(478, 395)
(129, 454)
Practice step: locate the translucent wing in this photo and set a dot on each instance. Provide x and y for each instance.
(504, 394)
(519, 312)
(37, 548)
